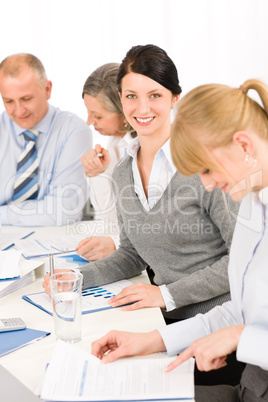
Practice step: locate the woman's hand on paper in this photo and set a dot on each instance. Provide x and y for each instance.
(46, 283)
(118, 344)
(93, 164)
(140, 295)
(95, 247)
(211, 351)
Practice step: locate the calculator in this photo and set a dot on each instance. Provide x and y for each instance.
(11, 324)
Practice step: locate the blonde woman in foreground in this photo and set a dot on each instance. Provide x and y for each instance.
(222, 134)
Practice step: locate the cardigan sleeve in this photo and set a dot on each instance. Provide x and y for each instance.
(211, 281)
(123, 263)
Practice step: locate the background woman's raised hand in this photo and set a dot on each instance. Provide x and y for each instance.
(95, 165)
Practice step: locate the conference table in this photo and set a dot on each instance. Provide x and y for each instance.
(28, 364)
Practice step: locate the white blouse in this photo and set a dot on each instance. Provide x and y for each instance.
(100, 187)
(163, 170)
(248, 277)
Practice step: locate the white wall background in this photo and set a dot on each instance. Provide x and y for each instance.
(223, 41)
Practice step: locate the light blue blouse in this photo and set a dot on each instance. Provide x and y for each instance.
(248, 277)
(63, 138)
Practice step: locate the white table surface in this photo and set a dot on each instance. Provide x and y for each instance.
(28, 363)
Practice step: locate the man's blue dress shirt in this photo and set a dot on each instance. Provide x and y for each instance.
(63, 138)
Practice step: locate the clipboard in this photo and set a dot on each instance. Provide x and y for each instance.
(14, 340)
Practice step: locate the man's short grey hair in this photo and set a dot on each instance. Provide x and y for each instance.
(13, 65)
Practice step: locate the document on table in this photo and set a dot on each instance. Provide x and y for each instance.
(64, 261)
(65, 243)
(31, 248)
(8, 239)
(93, 299)
(76, 375)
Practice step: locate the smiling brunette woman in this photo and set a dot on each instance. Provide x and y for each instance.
(168, 222)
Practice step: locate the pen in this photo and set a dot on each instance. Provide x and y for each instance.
(99, 154)
(51, 264)
(29, 257)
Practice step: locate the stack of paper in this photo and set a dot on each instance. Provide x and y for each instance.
(76, 375)
(28, 271)
(9, 264)
(9, 287)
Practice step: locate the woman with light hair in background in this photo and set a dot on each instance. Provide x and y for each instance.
(106, 115)
(222, 134)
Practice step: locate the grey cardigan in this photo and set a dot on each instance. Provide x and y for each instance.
(184, 239)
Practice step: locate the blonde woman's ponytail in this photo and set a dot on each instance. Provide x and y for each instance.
(260, 87)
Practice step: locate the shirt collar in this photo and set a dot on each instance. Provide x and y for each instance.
(128, 137)
(262, 195)
(167, 151)
(42, 126)
(134, 146)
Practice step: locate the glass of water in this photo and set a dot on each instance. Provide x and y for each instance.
(66, 290)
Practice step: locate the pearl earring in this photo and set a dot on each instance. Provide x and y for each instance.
(250, 161)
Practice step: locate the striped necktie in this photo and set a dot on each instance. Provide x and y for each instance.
(26, 181)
